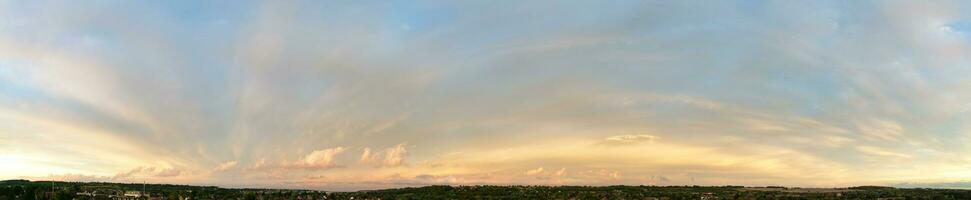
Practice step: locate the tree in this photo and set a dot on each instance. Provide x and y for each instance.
(249, 196)
(64, 195)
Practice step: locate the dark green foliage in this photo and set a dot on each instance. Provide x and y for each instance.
(648, 192)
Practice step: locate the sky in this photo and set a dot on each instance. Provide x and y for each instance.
(352, 95)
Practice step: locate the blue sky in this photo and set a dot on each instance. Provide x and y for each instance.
(359, 95)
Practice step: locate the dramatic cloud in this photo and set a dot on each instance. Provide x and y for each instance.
(391, 157)
(288, 93)
(366, 157)
(395, 156)
(319, 159)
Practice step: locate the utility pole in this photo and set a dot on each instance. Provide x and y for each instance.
(52, 186)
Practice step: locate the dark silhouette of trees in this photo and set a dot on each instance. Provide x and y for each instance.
(27, 190)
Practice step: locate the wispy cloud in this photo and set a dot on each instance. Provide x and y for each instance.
(629, 139)
(228, 165)
(880, 152)
(534, 172)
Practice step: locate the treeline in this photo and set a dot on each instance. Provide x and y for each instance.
(28, 190)
(36, 190)
(645, 192)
